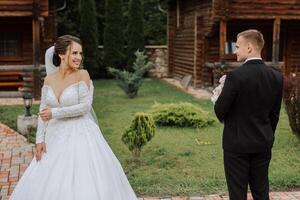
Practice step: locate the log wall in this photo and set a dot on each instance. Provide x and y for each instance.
(19, 8)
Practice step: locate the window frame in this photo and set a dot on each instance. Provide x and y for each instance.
(18, 56)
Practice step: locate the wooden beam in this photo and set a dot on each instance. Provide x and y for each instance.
(36, 42)
(15, 13)
(36, 47)
(255, 17)
(177, 14)
(223, 35)
(15, 67)
(195, 49)
(276, 41)
(170, 41)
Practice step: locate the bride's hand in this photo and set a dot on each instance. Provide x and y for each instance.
(40, 149)
(46, 114)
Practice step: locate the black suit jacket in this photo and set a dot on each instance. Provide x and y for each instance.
(249, 105)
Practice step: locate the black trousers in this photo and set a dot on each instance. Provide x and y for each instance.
(243, 169)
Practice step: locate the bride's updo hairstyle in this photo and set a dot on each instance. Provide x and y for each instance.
(61, 46)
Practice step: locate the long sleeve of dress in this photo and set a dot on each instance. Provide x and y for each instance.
(83, 107)
(41, 127)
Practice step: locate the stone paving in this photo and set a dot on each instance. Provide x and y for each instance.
(198, 93)
(15, 155)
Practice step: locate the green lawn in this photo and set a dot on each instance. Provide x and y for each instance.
(175, 162)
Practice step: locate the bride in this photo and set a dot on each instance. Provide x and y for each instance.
(72, 160)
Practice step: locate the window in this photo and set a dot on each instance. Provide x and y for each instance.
(230, 47)
(9, 44)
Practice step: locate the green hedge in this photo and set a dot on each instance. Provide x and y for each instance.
(180, 115)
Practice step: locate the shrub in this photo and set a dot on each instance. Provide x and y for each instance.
(31, 134)
(180, 115)
(291, 98)
(140, 132)
(130, 82)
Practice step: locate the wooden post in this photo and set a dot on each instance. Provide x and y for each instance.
(170, 37)
(195, 49)
(276, 42)
(223, 37)
(36, 48)
(177, 14)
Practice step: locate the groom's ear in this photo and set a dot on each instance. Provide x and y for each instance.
(249, 47)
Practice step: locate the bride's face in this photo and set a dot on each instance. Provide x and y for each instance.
(74, 55)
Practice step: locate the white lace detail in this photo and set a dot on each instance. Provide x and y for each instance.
(41, 128)
(84, 106)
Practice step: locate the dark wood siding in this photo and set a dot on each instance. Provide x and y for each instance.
(186, 41)
(21, 7)
(196, 40)
(183, 51)
(265, 9)
(292, 50)
(212, 55)
(171, 32)
(205, 30)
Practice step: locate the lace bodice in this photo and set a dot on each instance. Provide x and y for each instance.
(75, 100)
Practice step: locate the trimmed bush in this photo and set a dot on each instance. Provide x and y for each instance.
(130, 82)
(291, 98)
(140, 132)
(180, 115)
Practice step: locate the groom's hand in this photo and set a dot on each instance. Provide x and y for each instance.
(46, 114)
(40, 149)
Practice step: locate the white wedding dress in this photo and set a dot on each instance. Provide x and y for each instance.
(79, 164)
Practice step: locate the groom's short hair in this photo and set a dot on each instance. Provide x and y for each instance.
(253, 36)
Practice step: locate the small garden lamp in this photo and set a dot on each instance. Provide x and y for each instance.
(27, 103)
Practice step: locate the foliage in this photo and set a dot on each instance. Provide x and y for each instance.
(68, 20)
(180, 115)
(113, 38)
(130, 82)
(140, 132)
(292, 102)
(100, 9)
(31, 134)
(155, 22)
(89, 37)
(135, 30)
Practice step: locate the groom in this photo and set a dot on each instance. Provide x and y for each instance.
(249, 106)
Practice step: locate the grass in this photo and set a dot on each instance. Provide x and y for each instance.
(177, 161)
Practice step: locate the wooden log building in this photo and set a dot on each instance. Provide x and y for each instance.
(202, 35)
(27, 28)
